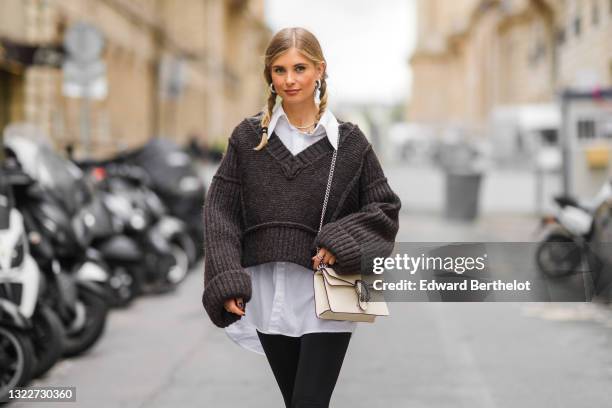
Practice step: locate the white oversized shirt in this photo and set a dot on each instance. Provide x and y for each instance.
(282, 299)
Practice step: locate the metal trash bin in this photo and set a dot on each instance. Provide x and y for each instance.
(462, 194)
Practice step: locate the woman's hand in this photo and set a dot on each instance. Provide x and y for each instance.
(324, 255)
(233, 306)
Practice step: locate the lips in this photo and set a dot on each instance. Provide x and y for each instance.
(292, 91)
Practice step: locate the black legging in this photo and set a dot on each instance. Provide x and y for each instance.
(306, 368)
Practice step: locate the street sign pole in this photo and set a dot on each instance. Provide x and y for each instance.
(84, 74)
(565, 143)
(85, 123)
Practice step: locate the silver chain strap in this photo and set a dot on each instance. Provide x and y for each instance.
(329, 181)
(328, 188)
(362, 288)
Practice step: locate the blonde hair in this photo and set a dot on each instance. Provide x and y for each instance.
(308, 45)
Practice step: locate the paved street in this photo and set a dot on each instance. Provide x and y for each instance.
(422, 188)
(164, 351)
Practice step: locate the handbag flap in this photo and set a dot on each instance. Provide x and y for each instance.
(333, 278)
(345, 300)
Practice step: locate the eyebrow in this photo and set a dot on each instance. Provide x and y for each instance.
(296, 65)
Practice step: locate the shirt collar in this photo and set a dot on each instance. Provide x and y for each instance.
(328, 122)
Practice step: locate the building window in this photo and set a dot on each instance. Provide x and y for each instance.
(540, 50)
(595, 13)
(537, 52)
(586, 129)
(560, 36)
(550, 137)
(577, 25)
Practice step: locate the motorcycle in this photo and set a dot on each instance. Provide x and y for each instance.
(567, 235)
(117, 251)
(16, 349)
(53, 210)
(150, 235)
(21, 282)
(174, 178)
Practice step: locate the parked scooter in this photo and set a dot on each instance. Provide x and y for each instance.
(52, 208)
(567, 235)
(159, 244)
(117, 251)
(21, 282)
(16, 350)
(174, 178)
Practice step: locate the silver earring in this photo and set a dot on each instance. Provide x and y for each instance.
(317, 85)
(271, 87)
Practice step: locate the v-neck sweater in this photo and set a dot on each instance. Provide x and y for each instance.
(282, 295)
(265, 206)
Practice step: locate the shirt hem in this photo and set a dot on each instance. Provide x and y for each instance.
(268, 331)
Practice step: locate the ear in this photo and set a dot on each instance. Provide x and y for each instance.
(321, 69)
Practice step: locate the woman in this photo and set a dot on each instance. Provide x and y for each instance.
(262, 214)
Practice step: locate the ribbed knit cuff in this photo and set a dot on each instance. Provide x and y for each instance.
(227, 285)
(346, 249)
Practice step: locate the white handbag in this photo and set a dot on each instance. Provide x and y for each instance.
(344, 297)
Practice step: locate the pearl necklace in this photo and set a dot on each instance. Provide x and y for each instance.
(305, 127)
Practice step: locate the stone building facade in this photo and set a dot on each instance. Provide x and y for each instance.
(474, 55)
(174, 68)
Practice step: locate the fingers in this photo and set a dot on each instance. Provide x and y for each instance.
(328, 258)
(325, 256)
(231, 305)
(317, 258)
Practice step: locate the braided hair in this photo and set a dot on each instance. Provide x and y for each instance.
(308, 45)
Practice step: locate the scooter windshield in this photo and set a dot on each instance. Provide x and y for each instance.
(57, 176)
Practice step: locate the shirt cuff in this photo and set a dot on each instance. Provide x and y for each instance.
(227, 285)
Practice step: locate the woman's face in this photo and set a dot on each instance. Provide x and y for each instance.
(294, 76)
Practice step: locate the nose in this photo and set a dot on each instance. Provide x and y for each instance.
(289, 80)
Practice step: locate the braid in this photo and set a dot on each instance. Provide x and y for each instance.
(323, 99)
(265, 121)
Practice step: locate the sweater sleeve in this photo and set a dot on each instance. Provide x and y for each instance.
(224, 276)
(369, 232)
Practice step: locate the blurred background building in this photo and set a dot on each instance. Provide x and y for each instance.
(473, 56)
(490, 71)
(173, 68)
(501, 72)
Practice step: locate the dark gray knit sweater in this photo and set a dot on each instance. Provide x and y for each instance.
(265, 206)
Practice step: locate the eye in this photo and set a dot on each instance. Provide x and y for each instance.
(300, 68)
(278, 70)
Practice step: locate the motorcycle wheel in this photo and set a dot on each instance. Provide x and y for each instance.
(16, 360)
(94, 309)
(155, 275)
(122, 287)
(47, 338)
(189, 246)
(558, 256)
(178, 271)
